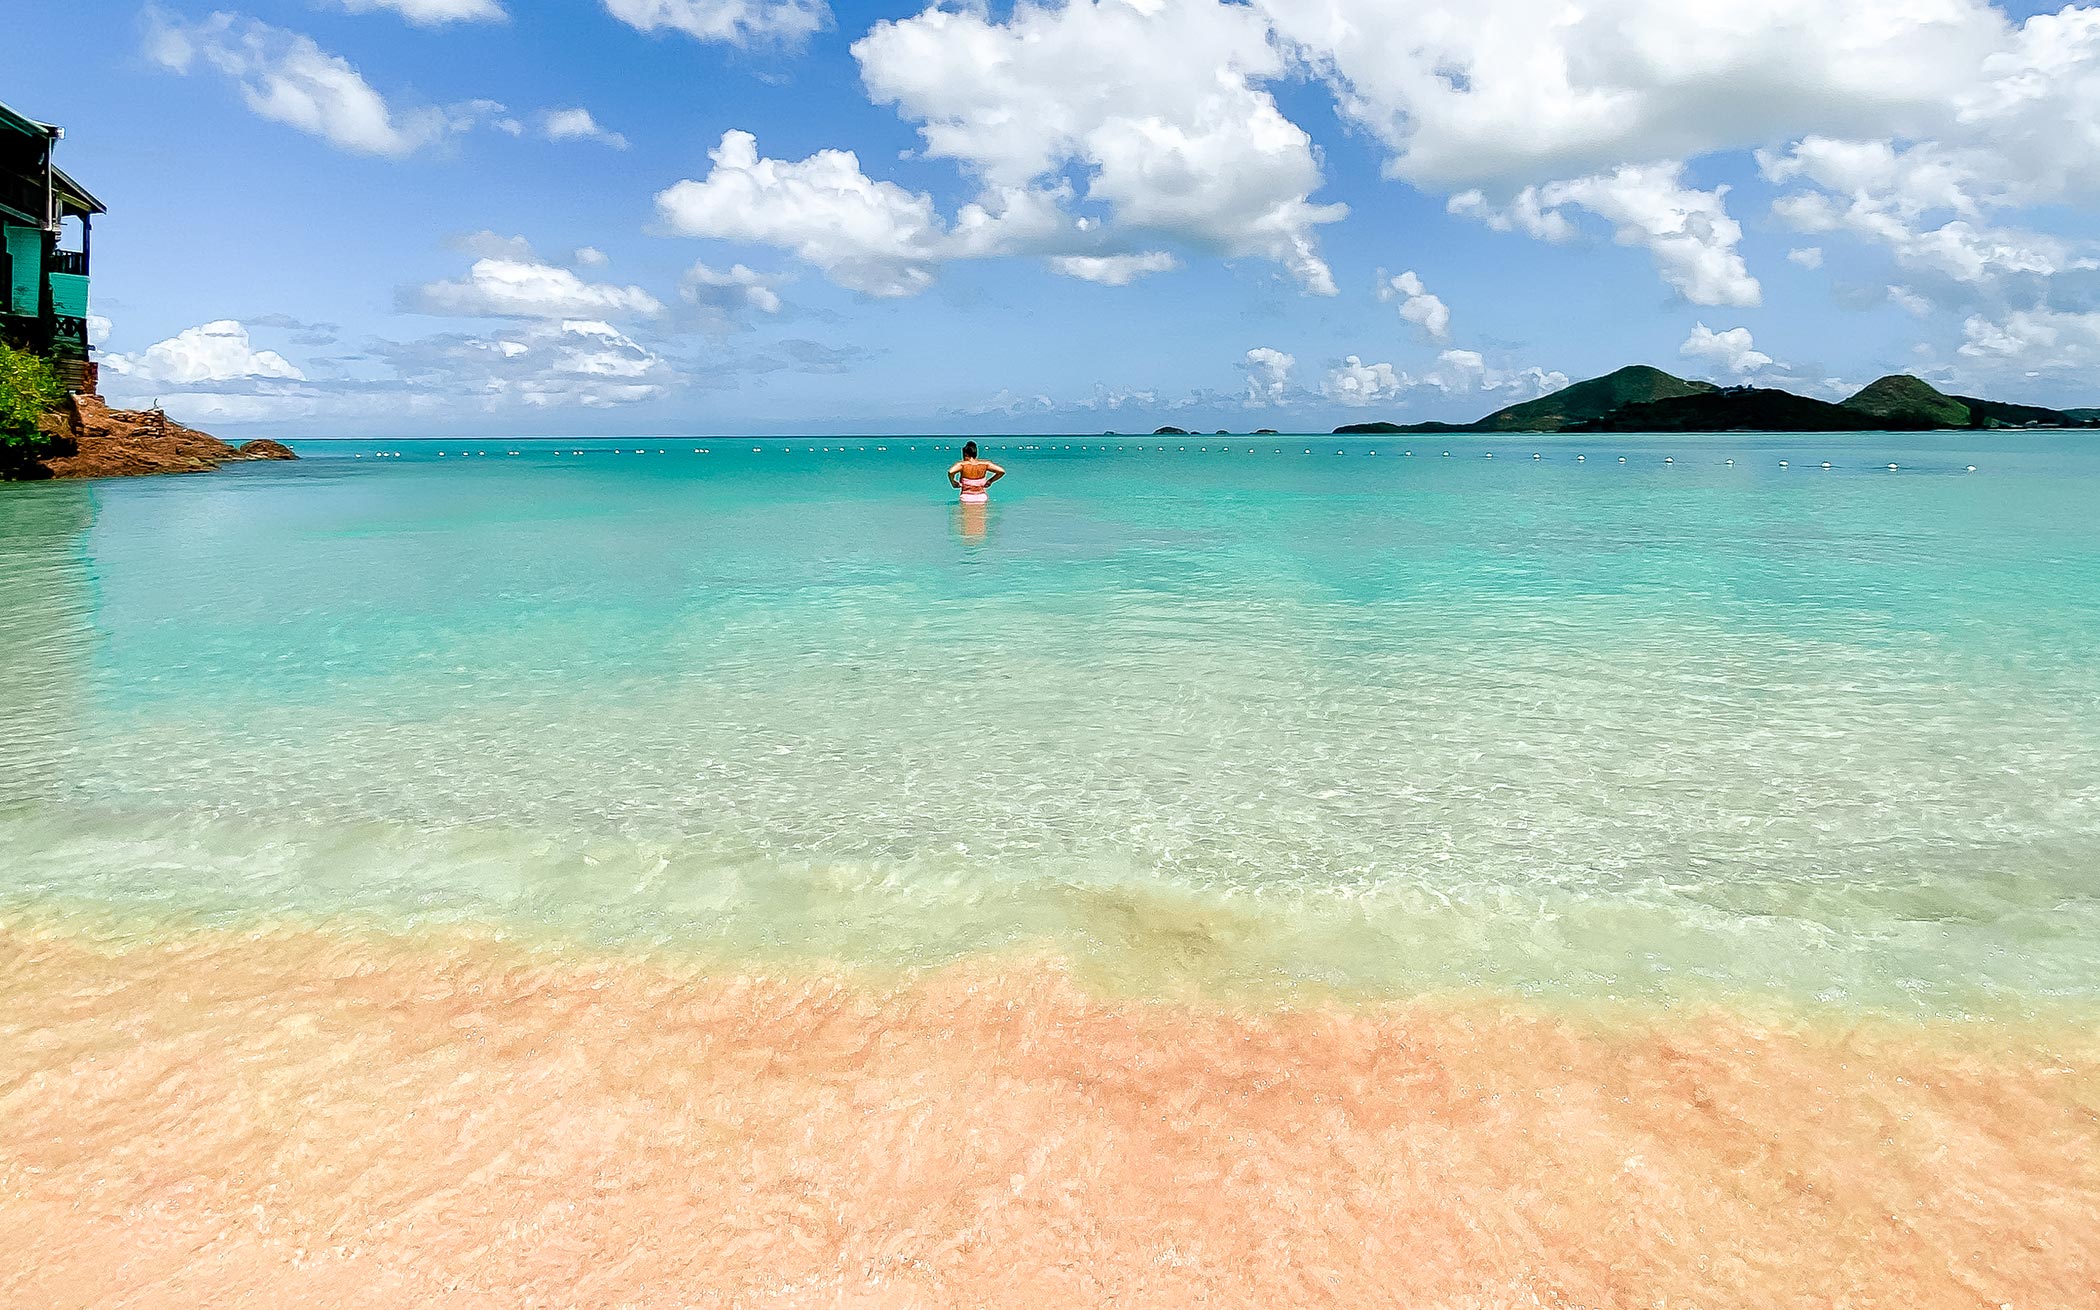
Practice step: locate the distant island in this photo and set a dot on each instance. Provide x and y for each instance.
(1643, 399)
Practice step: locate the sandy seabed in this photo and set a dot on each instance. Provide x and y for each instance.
(323, 1118)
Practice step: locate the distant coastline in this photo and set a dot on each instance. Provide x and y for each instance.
(1639, 398)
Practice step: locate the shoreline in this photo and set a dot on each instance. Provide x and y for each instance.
(94, 441)
(305, 1116)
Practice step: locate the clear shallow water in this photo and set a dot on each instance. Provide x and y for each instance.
(1230, 717)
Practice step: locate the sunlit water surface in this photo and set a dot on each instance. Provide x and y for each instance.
(1293, 872)
(1373, 720)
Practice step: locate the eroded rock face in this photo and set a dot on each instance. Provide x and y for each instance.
(107, 443)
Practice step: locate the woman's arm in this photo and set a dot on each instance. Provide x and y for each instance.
(996, 472)
(955, 474)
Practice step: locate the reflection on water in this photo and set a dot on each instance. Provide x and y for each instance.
(971, 519)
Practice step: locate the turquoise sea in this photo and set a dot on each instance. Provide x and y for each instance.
(1252, 715)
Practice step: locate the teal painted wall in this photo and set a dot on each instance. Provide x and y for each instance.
(69, 294)
(26, 244)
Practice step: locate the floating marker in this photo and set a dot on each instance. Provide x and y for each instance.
(1578, 459)
(1972, 468)
(1622, 459)
(1408, 454)
(1782, 463)
(1826, 463)
(1892, 468)
(1667, 459)
(1730, 463)
(1534, 454)
(1447, 454)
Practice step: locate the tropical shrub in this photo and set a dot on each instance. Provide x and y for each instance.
(28, 391)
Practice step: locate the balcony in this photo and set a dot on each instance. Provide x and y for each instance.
(70, 261)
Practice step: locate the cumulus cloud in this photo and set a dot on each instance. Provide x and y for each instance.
(511, 287)
(1730, 351)
(568, 363)
(1353, 382)
(219, 351)
(1114, 270)
(432, 13)
(735, 22)
(1806, 256)
(868, 236)
(286, 78)
(2035, 343)
(729, 290)
(1417, 306)
(1687, 231)
(578, 125)
(1099, 86)
(1268, 376)
(1504, 94)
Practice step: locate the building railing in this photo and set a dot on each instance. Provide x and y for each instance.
(69, 261)
(25, 194)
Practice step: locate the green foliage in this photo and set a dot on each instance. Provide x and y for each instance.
(28, 391)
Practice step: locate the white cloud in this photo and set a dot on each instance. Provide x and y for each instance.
(525, 288)
(537, 366)
(432, 13)
(1417, 305)
(1268, 376)
(868, 236)
(736, 22)
(98, 329)
(589, 257)
(286, 78)
(1354, 382)
(2035, 342)
(1909, 301)
(1467, 372)
(1687, 231)
(212, 352)
(1731, 351)
(731, 289)
(873, 237)
(1114, 270)
(1111, 90)
(578, 125)
(1806, 256)
(1503, 94)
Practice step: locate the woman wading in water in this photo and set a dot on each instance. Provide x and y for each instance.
(973, 476)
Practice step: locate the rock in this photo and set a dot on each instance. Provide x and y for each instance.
(1170, 432)
(108, 443)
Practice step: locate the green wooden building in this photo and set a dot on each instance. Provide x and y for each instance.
(45, 218)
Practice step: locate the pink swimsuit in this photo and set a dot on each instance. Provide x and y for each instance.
(973, 490)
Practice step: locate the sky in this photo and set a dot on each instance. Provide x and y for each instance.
(592, 217)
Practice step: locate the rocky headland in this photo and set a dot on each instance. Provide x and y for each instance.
(88, 439)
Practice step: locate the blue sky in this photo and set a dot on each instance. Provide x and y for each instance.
(427, 217)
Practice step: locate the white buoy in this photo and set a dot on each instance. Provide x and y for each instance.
(1892, 468)
(1731, 463)
(1447, 454)
(1782, 463)
(1622, 459)
(1972, 468)
(1578, 459)
(1826, 463)
(1407, 454)
(1534, 454)
(1668, 459)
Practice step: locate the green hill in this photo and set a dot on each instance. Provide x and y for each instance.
(1592, 399)
(1740, 409)
(2005, 414)
(2083, 415)
(1904, 401)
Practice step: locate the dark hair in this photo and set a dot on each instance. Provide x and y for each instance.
(969, 450)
